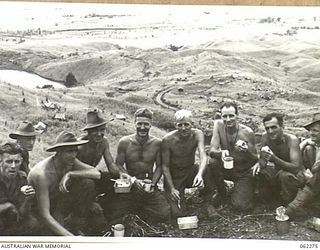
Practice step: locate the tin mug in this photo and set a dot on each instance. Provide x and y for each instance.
(228, 162)
(282, 224)
(147, 185)
(118, 230)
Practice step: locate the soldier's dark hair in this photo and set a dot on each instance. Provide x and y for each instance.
(276, 115)
(143, 112)
(11, 148)
(229, 104)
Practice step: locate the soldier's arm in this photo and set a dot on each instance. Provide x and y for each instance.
(165, 161)
(158, 170)
(112, 167)
(249, 155)
(6, 206)
(121, 155)
(202, 153)
(215, 150)
(29, 194)
(294, 165)
(83, 170)
(262, 161)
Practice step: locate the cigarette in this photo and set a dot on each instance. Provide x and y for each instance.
(179, 206)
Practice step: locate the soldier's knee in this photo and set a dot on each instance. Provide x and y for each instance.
(33, 224)
(309, 148)
(165, 214)
(284, 176)
(241, 204)
(87, 184)
(214, 163)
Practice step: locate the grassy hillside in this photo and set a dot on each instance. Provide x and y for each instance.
(265, 74)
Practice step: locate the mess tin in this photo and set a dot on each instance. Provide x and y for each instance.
(188, 222)
(122, 186)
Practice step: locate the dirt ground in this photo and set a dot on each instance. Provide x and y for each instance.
(229, 224)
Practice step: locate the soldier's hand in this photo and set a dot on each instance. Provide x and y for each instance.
(224, 153)
(28, 191)
(124, 176)
(175, 194)
(64, 183)
(265, 155)
(207, 149)
(139, 185)
(198, 181)
(256, 169)
(316, 166)
(310, 142)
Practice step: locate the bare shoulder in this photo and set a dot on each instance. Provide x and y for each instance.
(197, 132)
(38, 172)
(155, 140)
(245, 129)
(218, 123)
(169, 136)
(126, 139)
(292, 138)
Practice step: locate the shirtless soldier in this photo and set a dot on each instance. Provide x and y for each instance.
(277, 172)
(139, 152)
(236, 140)
(92, 152)
(178, 163)
(64, 188)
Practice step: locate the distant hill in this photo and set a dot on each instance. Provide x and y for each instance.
(263, 75)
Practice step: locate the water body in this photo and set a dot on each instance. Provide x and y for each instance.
(27, 80)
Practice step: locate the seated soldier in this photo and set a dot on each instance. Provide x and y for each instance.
(279, 164)
(139, 152)
(178, 150)
(311, 161)
(25, 136)
(65, 189)
(15, 195)
(233, 139)
(92, 152)
(310, 146)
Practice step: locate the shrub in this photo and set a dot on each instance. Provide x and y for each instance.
(71, 80)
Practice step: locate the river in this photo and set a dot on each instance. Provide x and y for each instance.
(26, 80)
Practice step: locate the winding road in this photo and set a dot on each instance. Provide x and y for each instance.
(158, 98)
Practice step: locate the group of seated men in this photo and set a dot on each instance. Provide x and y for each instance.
(66, 193)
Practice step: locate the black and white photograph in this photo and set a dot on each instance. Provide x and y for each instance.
(144, 121)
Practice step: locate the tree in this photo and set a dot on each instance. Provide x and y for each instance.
(71, 80)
